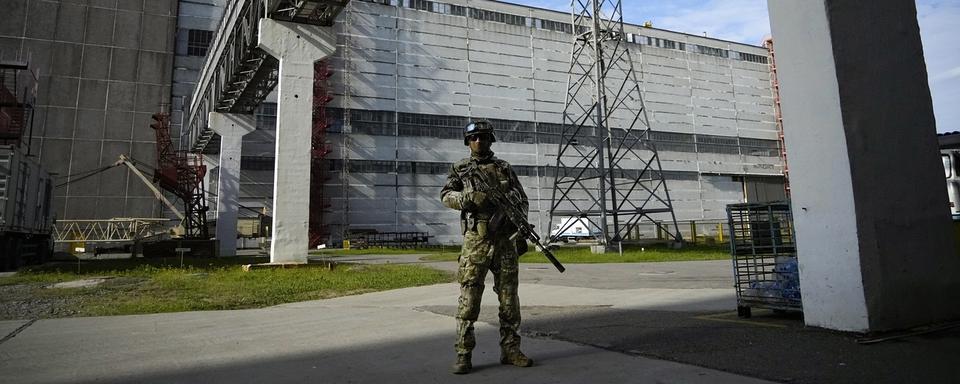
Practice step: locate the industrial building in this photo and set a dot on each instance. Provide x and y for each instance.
(407, 75)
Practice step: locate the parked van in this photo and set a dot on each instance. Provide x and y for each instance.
(575, 229)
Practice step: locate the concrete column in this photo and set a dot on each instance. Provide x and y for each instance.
(297, 46)
(231, 127)
(874, 238)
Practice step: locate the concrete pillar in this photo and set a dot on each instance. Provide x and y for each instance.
(211, 162)
(297, 46)
(231, 127)
(874, 238)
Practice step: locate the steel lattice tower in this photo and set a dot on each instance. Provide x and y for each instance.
(608, 171)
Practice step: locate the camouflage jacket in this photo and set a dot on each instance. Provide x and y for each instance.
(496, 170)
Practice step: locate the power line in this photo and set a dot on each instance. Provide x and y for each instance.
(91, 173)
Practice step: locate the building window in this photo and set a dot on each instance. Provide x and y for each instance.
(672, 141)
(378, 123)
(444, 127)
(198, 41)
(717, 144)
(485, 15)
(458, 10)
(266, 116)
(556, 26)
(422, 5)
(759, 147)
(712, 51)
(753, 58)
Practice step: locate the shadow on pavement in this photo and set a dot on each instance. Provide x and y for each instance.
(428, 360)
(771, 346)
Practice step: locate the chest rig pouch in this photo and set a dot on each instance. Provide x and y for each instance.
(487, 223)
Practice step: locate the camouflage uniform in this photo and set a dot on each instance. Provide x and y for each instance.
(486, 246)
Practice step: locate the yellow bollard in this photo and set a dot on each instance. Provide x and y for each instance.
(693, 231)
(719, 232)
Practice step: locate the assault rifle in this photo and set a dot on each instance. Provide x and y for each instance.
(508, 204)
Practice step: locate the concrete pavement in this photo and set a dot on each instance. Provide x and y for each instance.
(372, 338)
(636, 323)
(393, 336)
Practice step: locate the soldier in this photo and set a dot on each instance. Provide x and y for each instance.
(489, 243)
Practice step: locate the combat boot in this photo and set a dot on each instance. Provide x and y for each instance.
(463, 365)
(515, 357)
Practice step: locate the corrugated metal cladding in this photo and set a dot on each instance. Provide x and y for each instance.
(408, 77)
(25, 190)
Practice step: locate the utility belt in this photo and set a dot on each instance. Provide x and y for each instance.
(480, 226)
(483, 229)
(487, 225)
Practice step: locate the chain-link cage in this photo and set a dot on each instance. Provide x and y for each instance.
(762, 246)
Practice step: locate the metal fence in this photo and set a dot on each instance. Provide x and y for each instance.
(702, 231)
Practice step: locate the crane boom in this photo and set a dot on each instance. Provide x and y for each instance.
(156, 192)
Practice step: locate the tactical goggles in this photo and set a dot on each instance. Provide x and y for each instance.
(472, 128)
(477, 137)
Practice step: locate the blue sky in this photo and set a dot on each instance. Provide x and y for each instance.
(746, 21)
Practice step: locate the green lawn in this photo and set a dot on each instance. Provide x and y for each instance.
(632, 254)
(206, 284)
(388, 251)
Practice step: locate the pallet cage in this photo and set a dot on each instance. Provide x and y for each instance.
(763, 250)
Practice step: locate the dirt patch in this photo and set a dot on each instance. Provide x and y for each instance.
(85, 283)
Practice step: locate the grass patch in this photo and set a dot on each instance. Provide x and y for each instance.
(209, 284)
(632, 254)
(388, 251)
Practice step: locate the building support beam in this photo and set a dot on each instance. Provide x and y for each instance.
(231, 127)
(297, 46)
(874, 239)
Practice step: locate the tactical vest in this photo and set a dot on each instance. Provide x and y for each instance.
(497, 171)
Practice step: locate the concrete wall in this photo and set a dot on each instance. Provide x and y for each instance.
(873, 233)
(105, 66)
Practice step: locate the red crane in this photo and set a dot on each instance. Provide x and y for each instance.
(318, 174)
(181, 173)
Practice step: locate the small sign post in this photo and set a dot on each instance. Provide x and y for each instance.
(181, 251)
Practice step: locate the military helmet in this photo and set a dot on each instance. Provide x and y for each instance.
(478, 127)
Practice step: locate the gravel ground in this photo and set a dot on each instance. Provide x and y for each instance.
(22, 302)
(38, 301)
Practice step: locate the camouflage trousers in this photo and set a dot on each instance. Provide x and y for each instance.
(498, 256)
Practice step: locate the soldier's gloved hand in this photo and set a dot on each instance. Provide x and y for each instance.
(474, 201)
